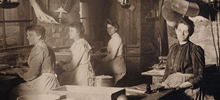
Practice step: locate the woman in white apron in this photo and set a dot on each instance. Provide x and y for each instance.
(114, 59)
(40, 76)
(76, 72)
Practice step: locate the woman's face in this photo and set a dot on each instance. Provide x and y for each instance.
(182, 32)
(32, 37)
(111, 29)
(73, 33)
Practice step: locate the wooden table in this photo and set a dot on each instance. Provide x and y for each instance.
(138, 93)
(8, 80)
(75, 92)
(71, 91)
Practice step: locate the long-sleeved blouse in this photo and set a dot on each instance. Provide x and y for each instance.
(188, 58)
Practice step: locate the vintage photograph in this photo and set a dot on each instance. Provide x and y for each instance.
(109, 50)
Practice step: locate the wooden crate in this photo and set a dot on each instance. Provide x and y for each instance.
(88, 93)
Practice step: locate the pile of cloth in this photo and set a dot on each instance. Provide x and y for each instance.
(175, 79)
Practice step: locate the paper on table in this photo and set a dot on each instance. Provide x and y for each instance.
(154, 72)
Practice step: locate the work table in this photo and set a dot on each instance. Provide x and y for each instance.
(8, 80)
(109, 93)
(138, 93)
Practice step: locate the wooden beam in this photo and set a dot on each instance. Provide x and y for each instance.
(4, 34)
(11, 21)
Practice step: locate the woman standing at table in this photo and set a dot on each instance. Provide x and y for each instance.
(114, 59)
(40, 76)
(79, 69)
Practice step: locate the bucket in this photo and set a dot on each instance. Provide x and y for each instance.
(103, 81)
(39, 97)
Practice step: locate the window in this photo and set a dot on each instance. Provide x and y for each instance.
(13, 23)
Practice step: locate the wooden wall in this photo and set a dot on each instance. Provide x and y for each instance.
(57, 34)
(139, 36)
(150, 32)
(128, 20)
(96, 14)
(16, 21)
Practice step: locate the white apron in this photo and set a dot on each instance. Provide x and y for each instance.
(41, 84)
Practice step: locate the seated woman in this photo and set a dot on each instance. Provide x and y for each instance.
(114, 59)
(185, 63)
(40, 76)
(77, 71)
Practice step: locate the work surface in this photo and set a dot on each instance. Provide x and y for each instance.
(108, 93)
(9, 79)
(138, 93)
(154, 96)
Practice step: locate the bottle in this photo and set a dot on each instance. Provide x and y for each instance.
(91, 77)
(19, 60)
(148, 89)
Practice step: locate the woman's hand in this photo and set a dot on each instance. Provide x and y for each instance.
(19, 72)
(185, 85)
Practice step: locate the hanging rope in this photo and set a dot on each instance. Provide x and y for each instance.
(213, 37)
(218, 36)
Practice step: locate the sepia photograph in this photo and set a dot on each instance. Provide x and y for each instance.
(109, 50)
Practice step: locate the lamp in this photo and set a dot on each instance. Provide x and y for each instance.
(185, 7)
(124, 3)
(60, 11)
(190, 8)
(174, 10)
(8, 4)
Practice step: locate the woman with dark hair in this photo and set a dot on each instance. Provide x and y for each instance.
(114, 58)
(185, 63)
(76, 72)
(40, 76)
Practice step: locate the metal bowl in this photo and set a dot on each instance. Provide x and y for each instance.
(39, 97)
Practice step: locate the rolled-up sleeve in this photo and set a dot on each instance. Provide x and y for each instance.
(112, 48)
(35, 62)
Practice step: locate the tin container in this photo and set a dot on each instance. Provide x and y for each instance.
(104, 81)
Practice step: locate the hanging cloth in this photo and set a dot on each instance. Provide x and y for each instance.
(43, 17)
(69, 5)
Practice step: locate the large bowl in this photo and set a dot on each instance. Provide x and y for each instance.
(39, 97)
